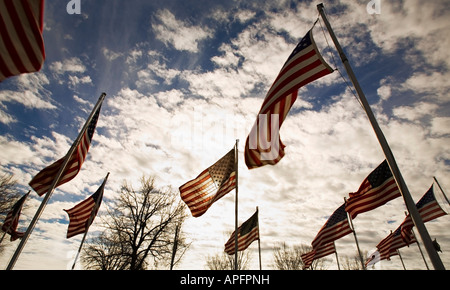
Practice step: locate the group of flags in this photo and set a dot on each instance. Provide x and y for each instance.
(58, 173)
(304, 65)
(377, 189)
(22, 51)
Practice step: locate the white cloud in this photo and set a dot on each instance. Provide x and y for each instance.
(72, 65)
(180, 34)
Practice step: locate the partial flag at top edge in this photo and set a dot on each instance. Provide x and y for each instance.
(211, 185)
(21, 40)
(304, 65)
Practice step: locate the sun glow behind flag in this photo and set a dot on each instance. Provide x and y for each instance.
(304, 65)
(211, 185)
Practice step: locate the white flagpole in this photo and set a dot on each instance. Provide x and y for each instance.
(356, 239)
(337, 259)
(443, 193)
(236, 151)
(91, 217)
(53, 186)
(411, 206)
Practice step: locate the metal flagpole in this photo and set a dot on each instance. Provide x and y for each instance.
(10, 224)
(259, 241)
(446, 198)
(53, 186)
(236, 151)
(401, 259)
(93, 213)
(337, 259)
(418, 245)
(356, 239)
(416, 218)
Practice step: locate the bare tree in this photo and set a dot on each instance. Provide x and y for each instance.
(139, 229)
(224, 261)
(289, 258)
(353, 262)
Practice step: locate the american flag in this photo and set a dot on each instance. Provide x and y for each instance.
(12, 219)
(428, 208)
(321, 252)
(42, 182)
(377, 189)
(247, 233)
(82, 215)
(21, 41)
(336, 227)
(303, 66)
(389, 245)
(211, 185)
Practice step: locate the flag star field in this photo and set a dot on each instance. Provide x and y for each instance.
(185, 79)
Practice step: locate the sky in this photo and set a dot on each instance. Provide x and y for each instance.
(185, 79)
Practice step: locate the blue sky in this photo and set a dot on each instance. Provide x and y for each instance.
(185, 79)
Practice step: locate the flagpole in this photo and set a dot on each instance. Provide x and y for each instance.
(401, 259)
(337, 259)
(10, 225)
(91, 218)
(446, 198)
(418, 245)
(259, 241)
(356, 239)
(53, 186)
(236, 151)
(416, 218)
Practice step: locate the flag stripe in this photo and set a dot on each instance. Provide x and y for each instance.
(21, 42)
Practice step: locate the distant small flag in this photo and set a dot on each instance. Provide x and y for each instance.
(42, 182)
(321, 252)
(247, 233)
(304, 65)
(12, 219)
(376, 190)
(211, 185)
(82, 215)
(428, 208)
(335, 228)
(21, 41)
